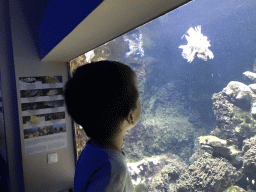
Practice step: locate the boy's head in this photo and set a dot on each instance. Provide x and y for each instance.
(100, 96)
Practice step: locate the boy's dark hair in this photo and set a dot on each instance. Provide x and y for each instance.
(100, 96)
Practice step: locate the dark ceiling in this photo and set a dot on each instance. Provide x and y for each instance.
(34, 11)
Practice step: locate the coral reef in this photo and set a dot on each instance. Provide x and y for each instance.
(233, 108)
(165, 126)
(249, 161)
(228, 155)
(249, 150)
(208, 174)
(250, 75)
(165, 180)
(149, 170)
(175, 137)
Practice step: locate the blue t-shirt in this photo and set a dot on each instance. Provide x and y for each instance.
(100, 169)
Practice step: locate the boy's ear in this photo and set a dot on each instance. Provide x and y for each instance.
(130, 118)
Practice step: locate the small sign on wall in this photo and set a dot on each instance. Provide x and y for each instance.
(43, 113)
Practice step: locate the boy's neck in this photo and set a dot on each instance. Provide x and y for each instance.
(113, 144)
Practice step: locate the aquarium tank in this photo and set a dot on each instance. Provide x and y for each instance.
(196, 69)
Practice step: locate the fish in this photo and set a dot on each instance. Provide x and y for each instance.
(51, 79)
(35, 119)
(135, 45)
(197, 45)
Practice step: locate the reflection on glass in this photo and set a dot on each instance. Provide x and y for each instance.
(4, 172)
(197, 128)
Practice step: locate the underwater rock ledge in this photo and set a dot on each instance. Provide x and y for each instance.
(208, 173)
(226, 159)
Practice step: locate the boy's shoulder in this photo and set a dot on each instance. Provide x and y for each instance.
(93, 158)
(93, 150)
(97, 162)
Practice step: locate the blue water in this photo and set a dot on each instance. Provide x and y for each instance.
(176, 95)
(231, 28)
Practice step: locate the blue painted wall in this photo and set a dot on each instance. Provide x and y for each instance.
(60, 18)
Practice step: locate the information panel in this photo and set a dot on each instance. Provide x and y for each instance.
(43, 113)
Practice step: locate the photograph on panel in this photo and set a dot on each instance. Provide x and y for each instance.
(54, 116)
(43, 131)
(40, 92)
(39, 82)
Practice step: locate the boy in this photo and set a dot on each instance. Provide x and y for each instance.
(103, 98)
